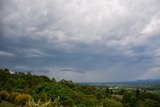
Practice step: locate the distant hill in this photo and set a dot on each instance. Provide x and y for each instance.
(148, 81)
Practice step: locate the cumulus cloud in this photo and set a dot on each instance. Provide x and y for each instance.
(81, 37)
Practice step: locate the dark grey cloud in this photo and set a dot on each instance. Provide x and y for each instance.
(81, 40)
(71, 70)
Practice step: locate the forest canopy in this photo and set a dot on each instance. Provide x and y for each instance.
(30, 90)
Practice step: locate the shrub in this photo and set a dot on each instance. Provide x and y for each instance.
(4, 95)
(68, 103)
(31, 103)
(12, 96)
(44, 98)
(22, 99)
(56, 102)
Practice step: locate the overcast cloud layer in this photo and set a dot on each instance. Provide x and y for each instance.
(82, 40)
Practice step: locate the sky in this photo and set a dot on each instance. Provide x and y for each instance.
(81, 40)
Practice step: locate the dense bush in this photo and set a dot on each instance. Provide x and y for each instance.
(4, 95)
(12, 97)
(44, 98)
(68, 103)
(22, 99)
(111, 103)
(146, 95)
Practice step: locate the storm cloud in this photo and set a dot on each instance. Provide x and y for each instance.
(82, 40)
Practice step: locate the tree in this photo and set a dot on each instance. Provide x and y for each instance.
(129, 99)
(107, 90)
(4, 76)
(111, 91)
(53, 79)
(45, 78)
(137, 94)
(122, 92)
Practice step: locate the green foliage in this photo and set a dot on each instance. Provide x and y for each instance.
(68, 102)
(56, 102)
(44, 98)
(12, 96)
(148, 103)
(53, 80)
(146, 95)
(99, 96)
(107, 91)
(4, 76)
(90, 102)
(111, 103)
(129, 99)
(111, 91)
(67, 83)
(25, 89)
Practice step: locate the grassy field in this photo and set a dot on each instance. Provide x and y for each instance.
(6, 104)
(155, 92)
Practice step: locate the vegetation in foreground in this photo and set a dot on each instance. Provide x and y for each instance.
(6, 104)
(27, 90)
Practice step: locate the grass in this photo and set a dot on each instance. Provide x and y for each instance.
(155, 92)
(6, 104)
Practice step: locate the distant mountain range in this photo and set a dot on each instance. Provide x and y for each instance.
(148, 81)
